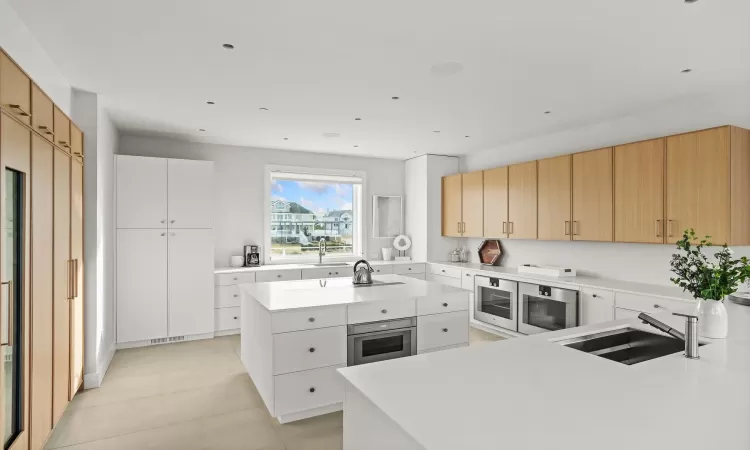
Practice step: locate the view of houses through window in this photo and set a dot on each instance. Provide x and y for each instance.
(304, 212)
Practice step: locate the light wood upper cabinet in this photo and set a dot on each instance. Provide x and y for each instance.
(452, 205)
(740, 186)
(593, 209)
(554, 197)
(62, 129)
(15, 90)
(472, 204)
(639, 192)
(496, 203)
(42, 112)
(522, 201)
(76, 141)
(698, 185)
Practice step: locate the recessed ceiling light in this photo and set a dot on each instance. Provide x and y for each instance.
(356, 146)
(201, 129)
(547, 112)
(436, 131)
(228, 46)
(394, 98)
(686, 70)
(286, 139)
(466, 136)
(210, 103)
(357, 118)
(446, 69)
(263, 109)
(690, 1)
(331, 135)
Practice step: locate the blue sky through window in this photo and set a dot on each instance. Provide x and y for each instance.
(315, 196)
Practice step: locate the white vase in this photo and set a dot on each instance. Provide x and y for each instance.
(712, 319)
(386, 253)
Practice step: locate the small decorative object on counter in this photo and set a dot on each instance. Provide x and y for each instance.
(236, 261)
(551, 271)
(402, 244)
(455, 256)
(252, 255)
(490, 252)
(741, 298)
(363, 275)
(386, 253)
(709, 282)
(464, 254)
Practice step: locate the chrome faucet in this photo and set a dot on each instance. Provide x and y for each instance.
(690, 336)
(321, 249)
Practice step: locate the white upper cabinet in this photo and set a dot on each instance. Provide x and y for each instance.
(190, 194)
(191, 282)
(141, 192)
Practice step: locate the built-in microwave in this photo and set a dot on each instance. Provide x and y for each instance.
(496, 302)
(545, 308)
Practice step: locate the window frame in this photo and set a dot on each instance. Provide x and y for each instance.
(358, 210)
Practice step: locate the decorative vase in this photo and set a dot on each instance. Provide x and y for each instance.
(712, 319)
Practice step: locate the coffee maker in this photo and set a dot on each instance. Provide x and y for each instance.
(252, 255)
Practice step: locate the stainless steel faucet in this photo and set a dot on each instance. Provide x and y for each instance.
(690, 336)
(321, 249)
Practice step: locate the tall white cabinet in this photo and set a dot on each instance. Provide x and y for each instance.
(165, 249)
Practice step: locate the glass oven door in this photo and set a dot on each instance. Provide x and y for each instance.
(543, 308)
(496, 302)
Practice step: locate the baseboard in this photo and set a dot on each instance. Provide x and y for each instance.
(286, 418)
(494, 330)
(226, 333)
(94, 380)
(146, 343)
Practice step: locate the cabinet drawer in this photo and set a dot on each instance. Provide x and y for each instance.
(622, 313)
(383, 269)
(467, 280)
(440, 349)
(403, 269)
(446, 303)
(226, 279)
(381, 310)
(303, 350)
(308, 319)
(650, 304)
(15, 90)
(326, 272)
(418, 276)
(264, 276)
(442, 330)
(446, 271)
(226, 296)
(596, 306)
(455, 282)
(227, 319)
(300, 391)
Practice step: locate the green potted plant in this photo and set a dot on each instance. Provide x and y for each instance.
(709, 281)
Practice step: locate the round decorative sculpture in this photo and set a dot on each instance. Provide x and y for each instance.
(402, 243)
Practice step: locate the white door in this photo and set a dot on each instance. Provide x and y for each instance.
(191, 282)
(190, 194)
(141, 285)
(141, 192)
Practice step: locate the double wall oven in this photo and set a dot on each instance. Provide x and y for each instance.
(524, 307)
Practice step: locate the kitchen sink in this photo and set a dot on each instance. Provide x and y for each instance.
(626, 345)
(378, 283)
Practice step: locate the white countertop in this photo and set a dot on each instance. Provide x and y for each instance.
(654, 290)
(531, 393)
(220, 270)
(284, 295)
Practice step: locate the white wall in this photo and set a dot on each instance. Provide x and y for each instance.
(635, 262)
(100, 142)
(239, 183)
(20, 44)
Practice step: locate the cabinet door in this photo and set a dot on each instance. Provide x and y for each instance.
(76, 142)
(42, 162)
(592, 196)
(522, 201)
(41, 113)
(141, 192)
(698, 185)
(496, 203)
(472, 204)
(639, 192)
(76, 255)
(62, 286)
(141, 285)
(554, 198)
(191, 282)
(452, 205)
(190, 200)
(62, 129)
(596, 306)
(15, 90)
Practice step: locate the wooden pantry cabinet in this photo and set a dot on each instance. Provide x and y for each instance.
(463, 205)
(593, 201)
(554, 198)
(41, 261)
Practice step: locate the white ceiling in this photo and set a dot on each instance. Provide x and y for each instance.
(316, 65)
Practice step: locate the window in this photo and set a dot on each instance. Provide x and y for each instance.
(307, 205)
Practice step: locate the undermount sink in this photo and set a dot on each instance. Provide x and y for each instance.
(626, 345)
(378, 283)
(329, 264)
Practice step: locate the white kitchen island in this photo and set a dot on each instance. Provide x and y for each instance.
(534, 393)
(294, 333)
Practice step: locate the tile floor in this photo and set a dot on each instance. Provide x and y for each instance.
(188, 396)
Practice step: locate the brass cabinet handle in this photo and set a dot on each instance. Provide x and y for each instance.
(70, 279)
(10, 314)
(511, 228)
(658, 228)
(75, 280)
(567, 228)
(576, 228)
(669, 228)
(18, 110)
(46, 130)
(504, 228)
